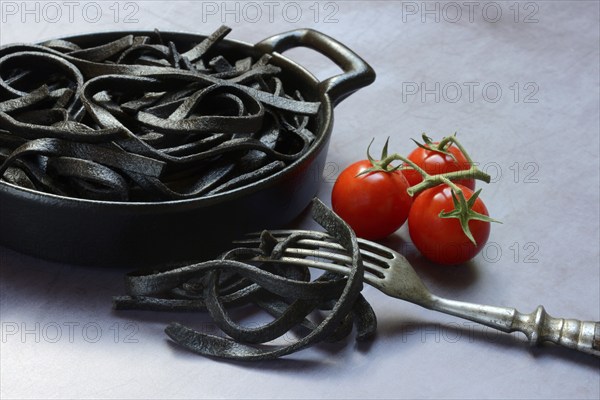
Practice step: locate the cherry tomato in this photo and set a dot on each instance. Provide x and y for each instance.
(435, 163)
(375, 204)
(442, 240)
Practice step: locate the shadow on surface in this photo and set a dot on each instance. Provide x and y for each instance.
(25, 278)
(455, 277)
(412, 332)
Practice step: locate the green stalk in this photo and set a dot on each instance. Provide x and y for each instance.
(462, 207)
(434, 180)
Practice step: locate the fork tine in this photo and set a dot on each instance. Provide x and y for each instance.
(339, 269)
(284, 232)
(369, 250)
(373, 247)
(254, 238)
(382, 262)
(343, 258)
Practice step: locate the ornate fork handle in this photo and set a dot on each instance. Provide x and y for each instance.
(538, 326)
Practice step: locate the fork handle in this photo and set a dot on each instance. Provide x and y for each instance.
(538, 326)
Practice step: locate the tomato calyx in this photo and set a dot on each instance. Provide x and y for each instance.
(441, 147)
(381, 165)
(384, 164)
(463, 210)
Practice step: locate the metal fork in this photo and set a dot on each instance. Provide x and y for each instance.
(392, 274)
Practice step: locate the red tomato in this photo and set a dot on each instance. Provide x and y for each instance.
(375, 204)
(442, 240)
(435, 163)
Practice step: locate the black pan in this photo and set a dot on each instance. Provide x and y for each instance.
(153, 234)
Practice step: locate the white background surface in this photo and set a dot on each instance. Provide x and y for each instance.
(550, 212)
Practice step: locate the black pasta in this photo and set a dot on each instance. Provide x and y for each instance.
(284, 291)
(138, 119)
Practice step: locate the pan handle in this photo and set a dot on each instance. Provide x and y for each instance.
(357, 73)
